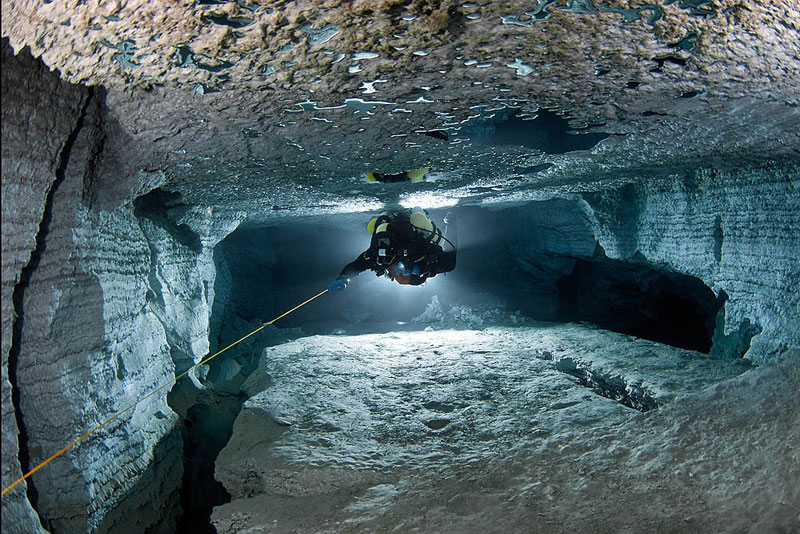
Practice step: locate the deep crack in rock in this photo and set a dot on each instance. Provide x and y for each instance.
(18, 295)
(606, 384)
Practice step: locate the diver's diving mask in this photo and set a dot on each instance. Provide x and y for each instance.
(404, 269)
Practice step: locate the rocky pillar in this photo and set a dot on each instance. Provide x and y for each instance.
(85, 343)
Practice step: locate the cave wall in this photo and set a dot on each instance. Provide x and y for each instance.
(92, 347)
(101, 294)
(181, 276)
(736, 231)
(39, 112)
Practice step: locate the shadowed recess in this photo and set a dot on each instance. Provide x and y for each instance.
(642, 301)
(547, 131)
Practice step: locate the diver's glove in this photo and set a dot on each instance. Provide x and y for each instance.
(340, 284)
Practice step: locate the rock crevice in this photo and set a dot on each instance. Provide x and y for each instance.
(84, 344)
(24, 279)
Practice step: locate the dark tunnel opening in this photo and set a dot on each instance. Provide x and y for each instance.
(640, 300)
(207, 427)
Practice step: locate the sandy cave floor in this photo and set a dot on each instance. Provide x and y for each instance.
(492, 431)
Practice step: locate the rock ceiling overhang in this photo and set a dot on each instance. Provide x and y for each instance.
(313, 93)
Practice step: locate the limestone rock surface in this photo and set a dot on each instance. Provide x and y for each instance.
(308, 95)
(32, 142)
(85, 344)
(716, 227)
(688, 466)
(349, 422)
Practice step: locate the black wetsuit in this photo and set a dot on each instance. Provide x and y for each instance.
(403, 242)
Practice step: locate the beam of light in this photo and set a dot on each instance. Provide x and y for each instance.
(427, 200)
(402, 303)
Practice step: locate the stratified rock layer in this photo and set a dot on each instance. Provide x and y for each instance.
(88, 345)
(32, 142)
(736, 232)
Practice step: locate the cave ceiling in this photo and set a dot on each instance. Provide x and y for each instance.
(283, 105)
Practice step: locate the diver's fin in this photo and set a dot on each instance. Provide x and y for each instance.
(414, 175)
(418, 175)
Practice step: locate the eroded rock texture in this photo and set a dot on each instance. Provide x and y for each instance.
(310, 94)
(714, 227)
(32, 146)
(453, 431)
(710, 225)
(86, 343)
(235, 44)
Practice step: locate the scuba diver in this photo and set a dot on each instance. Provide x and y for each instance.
(406, 247)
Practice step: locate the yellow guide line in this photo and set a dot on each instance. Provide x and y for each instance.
(159, 388)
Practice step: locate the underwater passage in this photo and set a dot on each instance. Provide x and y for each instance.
(582, 217)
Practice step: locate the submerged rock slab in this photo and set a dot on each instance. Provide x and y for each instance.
(722, 460)
(349, 422)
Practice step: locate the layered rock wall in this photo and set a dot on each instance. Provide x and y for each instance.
(735, 231)
(88, 348)
(98, 314)
(93, 348)
(39, 113)
(178, 281)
